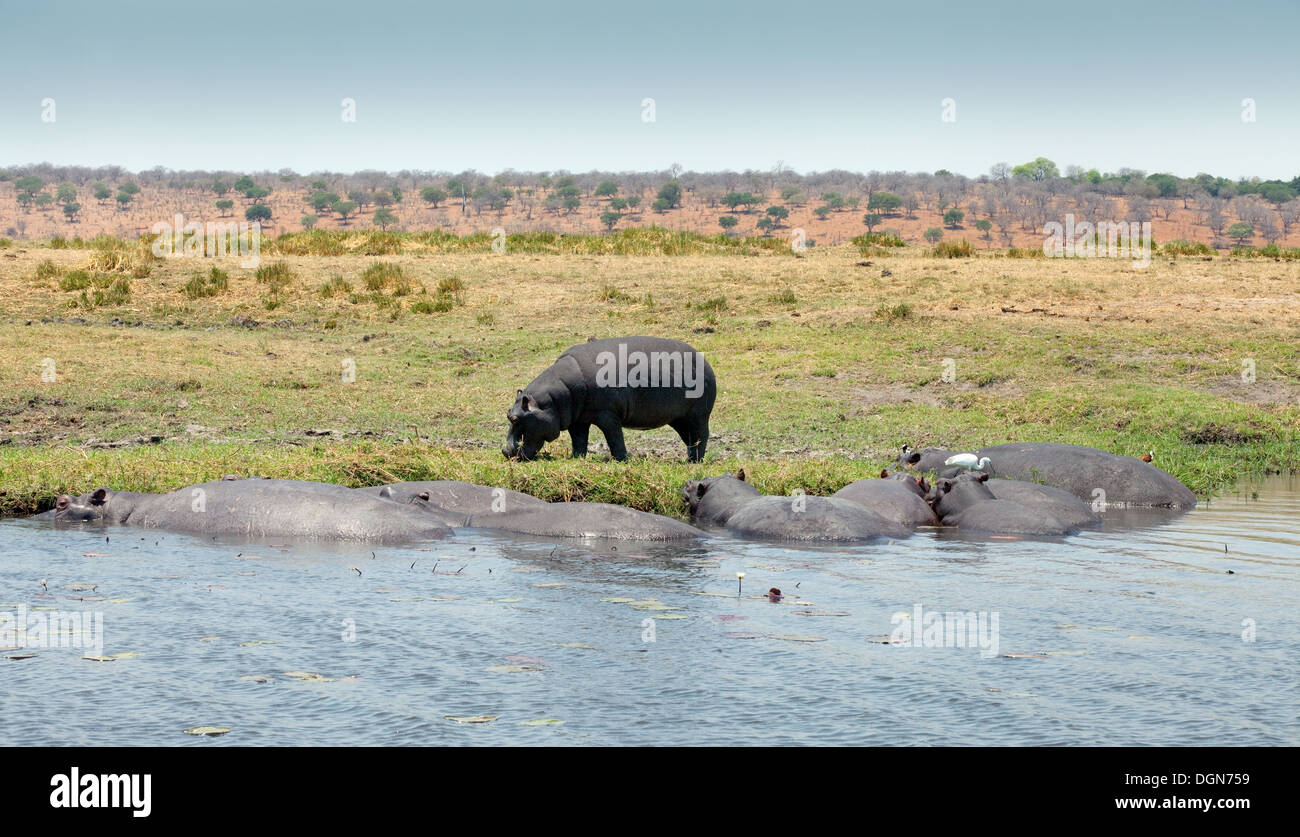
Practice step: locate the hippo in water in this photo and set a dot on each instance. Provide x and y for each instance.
(636, 382)
(257, 509)
(967, 503)
(898, 497)
(585, 520)
(1091, 475)
(713, 500)
(1057, 502)
(727, 500)
(454, 502)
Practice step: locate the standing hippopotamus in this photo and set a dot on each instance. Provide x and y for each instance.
(637, 382)
(257, 508)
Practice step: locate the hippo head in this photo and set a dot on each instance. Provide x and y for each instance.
(533, 423)
(952, 495)
(727, 489)
(88, 507)
(908, 457)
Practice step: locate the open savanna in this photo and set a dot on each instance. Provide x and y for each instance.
(827, 363)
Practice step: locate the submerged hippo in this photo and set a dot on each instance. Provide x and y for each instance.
(453, 502)
(636, 382)
(586, 520)
(1091, 475)
(1057, 502)
(967, 503)
(713, 500)
(897, 497)
(257, 508)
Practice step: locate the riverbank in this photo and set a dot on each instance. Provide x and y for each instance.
(332, 368)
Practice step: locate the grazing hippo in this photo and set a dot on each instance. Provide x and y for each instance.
(454, 502)
(259, 509)
(1057, 502)
(1091, 475)
(804, 518)
(713, 500)
(586, 520)
(898, 497)
(637, 382)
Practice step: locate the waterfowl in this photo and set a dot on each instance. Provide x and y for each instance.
(774, 595)
(968, 461)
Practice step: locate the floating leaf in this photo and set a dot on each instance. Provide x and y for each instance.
(672, 616)
(519, 658)
(79, 587)
(209, 638)
(551, 584)
(508, 601)
(1024, 656)
(126, 655)
(511, 669)
(118, 601)
(541, 722)
(471, 719)
(26, 656)
(618, 600)
(213, 731)
(445, 598)
(97, 659)
(797, 638)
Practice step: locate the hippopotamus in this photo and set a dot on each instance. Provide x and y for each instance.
(805, 518)
(897, 497)
(257, 508)
(928, 460)
(585, 520)
(713, 500)
(454, 502)
(967, 503)
(636, 382)
(1057, 502)
(1091, 475)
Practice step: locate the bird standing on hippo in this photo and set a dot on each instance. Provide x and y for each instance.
(636, 382)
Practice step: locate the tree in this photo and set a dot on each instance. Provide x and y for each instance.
(872, 220)
(319, 185)
(256, 193)
(309, 222)
(385, 218)
(618, 204)
(765, 224)
(661, 205)
(609, 219)
(258, 212)
(953, 218)
(130, 188)
(220, 187)
(671, 192)
(1241, 231)
(31, 184)
(1038, 169)
(789, 193)
(322, 201)
(778, 214)
(633, 201)
(727, 222)
(343, 209)
(433, 196)
(383, 199)
(885, 202)
(984, 225)
(822, 212)
(44, 201)
(25, 201)
(244, 183)
(101, 192)
(607, 189)
(933, 235)
(225, 207)
(70, 209)
(67, 193)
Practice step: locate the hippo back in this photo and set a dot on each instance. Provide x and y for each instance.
(1084, 471)
(891, 499)
(812, 519)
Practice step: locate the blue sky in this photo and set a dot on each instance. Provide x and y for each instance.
(545, 86)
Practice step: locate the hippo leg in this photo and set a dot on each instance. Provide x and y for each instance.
(613, 430)
(695, 433)
(578, 433)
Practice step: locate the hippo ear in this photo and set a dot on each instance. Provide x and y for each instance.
(386, 491)
(424, 495)
(100, 495)
(983, 477)
(700, 488)
(740, 475)
(526, 402)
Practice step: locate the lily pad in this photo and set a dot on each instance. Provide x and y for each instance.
(552, 584)
(209, 638)
(618, 600)
(98, 659)
(26, 656)
(126, 655)
(212, 731)
(672, 616)
(1025, 656)
(471, 719)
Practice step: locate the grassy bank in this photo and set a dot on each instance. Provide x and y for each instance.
(827, 363)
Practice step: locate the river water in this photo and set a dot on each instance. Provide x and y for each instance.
(1154, 630)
